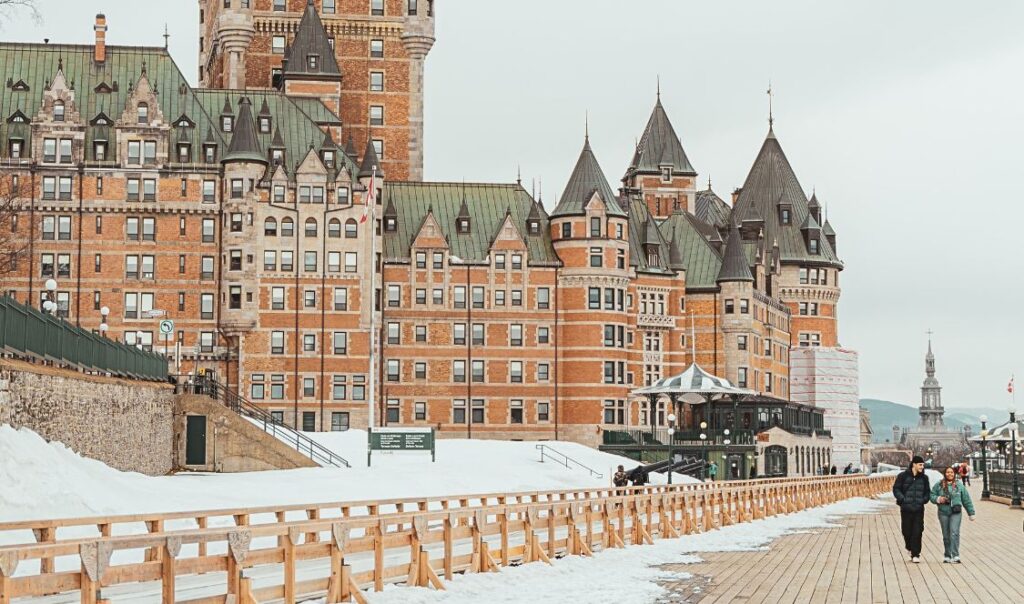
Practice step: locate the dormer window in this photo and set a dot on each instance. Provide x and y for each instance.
(265, 125)
(99, 151)
(184, 153)
(812, 246)
(276, 157)
(785, 216)
(210, 153)
(390, 224)
(343, 196)
(313, 62)
(18, 118)
(14, 149)
(184, 122)
(328, 157)
(143, 114)
(227, 123)
(462, 225)
(58, 111)
(666, 174)
(533, 226)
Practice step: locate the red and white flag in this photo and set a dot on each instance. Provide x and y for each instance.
(1009, 387)
(371, 198)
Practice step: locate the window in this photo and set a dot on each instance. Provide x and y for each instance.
(287, 227)
(65, 151)
(338, 388)
(741, 377)
(339, 419)
(184, 154)
(351, 229)
(309, 262)
(595, 257)
(50, 150)
(543, 335)
(744, 306)
(459, 334)
(438, 260)
(543, 412)
(515, 411)
(459, 371)
(499, 297)
(206, 268)
(343, 196)
(149, 189)
(131, 228)
(149, 229)
(394, 296)
(517, 262)
(378, 147)
(279, 194)
(421, 260)
(394, 370)
(49, 187)
(328, 7)
(209, 191)
(209, 227)
(334, 228)
(615, 412)
(413, 7)
(376, 81)
(143, 113)
(566, 230)
(741, 342)
(594, 298)
(277, 298)
(308, 389)
(517, 297)
(99, 149)
(46, 265)
(421, 333)
(278, 45)
(499, 261)
(64, 228)
(458, 411)
(515, 372)
(437, 296)
(340, 298)
(812, 246)
(15, 149)
(478, 371)
(340, 342)
(543, 372)
(227, 123)
(377, 8)
(515, 335)
(394, 333)
(237, 188)
(210, 153)
(377, 52)
(132, 189)
(477, 413)
(334, 262)
(595, 226)
(206, 306)
(810, 339)
(730, 307)
(206, 342)
(478, 334)
(235, 297)
(257, 390)
(286, 260)
(478, 297)
(277, 342)
(421, 296)
(58, 110)
(149, 152)
(280, 5)
(311, 227)
(420, 370)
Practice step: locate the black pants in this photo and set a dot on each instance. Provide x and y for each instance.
(913, 528)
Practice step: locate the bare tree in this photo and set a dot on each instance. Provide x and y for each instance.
(13, 243)
(9, 7)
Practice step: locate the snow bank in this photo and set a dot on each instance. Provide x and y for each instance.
(48, 480)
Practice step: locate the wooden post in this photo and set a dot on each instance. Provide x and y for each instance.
(289, 565)
(336, 584)
(552, 515)
(378, 557)
(201, 522)
(448, 572)
(46, 535)
(503, 525)
(427, 574)
(172, 547)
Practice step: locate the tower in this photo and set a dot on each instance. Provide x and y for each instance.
(230, 33)
(931, 410)
(661, 172)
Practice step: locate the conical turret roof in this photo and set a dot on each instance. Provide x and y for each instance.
(660, 146)
(587, 178)
(245, 145)
(350, 148)
(311, 40)
(370, 161)
(734, 265)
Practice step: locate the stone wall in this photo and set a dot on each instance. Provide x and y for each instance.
(125, 424)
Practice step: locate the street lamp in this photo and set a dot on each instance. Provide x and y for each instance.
(104, 313)
(985, 494)
(50, 297)
(671, 433)
(1015, 499)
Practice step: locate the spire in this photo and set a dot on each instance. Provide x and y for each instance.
(328, 142)
(264, 109)
(278, 141)
(390, 211)
(771, 117)
(350, 148)
(587, 178)
(734, 266)
(675, 255)
(310, 54)
(370, 162)
(659, 147)
(245, 145)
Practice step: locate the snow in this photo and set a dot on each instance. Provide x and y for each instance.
(48, 480)
(624, 576)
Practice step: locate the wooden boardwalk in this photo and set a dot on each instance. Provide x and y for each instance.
(863, 561)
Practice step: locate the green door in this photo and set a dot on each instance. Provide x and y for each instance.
(195, 440)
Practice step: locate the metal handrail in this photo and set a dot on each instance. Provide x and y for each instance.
(565, 460)
(302, 443)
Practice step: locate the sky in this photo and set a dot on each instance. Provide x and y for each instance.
(905, 117)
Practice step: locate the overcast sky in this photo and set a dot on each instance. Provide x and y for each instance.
(905, 116)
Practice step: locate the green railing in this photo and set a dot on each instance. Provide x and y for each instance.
(28, 333)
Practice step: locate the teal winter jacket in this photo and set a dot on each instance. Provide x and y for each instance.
(957, 494)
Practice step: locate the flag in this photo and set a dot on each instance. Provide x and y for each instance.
(1009, 387)
(371, 198)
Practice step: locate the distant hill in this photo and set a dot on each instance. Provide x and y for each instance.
(886, 414)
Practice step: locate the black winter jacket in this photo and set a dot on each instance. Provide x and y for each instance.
(912, 492)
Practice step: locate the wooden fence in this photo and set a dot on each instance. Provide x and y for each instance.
(339, 557)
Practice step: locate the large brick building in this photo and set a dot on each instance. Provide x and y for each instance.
(236, 212)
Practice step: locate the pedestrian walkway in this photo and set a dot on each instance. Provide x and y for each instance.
(864, 561)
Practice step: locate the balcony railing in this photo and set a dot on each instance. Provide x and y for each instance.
(688, 438)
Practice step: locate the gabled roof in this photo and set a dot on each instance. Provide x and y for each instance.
(488, 205)
(311, 39)
(696, 254)
(639, 234)
(659, 146)
(827, 229)
(772, 181)
(245, 146)
(587, 178)
(735, 266)
(710, 209)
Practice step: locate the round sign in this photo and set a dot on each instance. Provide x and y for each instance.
(166, 326)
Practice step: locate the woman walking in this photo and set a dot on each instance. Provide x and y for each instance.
(952, 499)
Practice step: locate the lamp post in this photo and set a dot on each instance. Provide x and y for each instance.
(1015, 499)
(50, 297)
(671, 443)
(985, 493)
(703, 442)
(104, 313)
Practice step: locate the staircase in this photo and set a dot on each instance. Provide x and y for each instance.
(308, 447)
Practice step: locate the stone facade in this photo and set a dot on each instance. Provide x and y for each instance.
(125, 424)
(828, 378)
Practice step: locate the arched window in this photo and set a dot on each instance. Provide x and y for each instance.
(143, 113)
(270, 227)
(58, 111)
(311, 227)
(334, 228)
(351, 228)
(287, 227)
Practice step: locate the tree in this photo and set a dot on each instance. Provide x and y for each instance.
(13, 243)
(9, 7)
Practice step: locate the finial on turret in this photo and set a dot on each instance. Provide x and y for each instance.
(771, 117)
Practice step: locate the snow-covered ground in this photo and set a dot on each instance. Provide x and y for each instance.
(48, 480)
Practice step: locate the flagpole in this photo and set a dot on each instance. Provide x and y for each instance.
(371, 199)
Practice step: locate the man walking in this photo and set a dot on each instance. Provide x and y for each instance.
(912, 493)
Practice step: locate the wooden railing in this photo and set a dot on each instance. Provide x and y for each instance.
(339, 557)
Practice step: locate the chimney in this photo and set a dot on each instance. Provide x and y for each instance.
(100, 54)
(736, 195)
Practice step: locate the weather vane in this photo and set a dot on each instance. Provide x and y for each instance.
(771, 118)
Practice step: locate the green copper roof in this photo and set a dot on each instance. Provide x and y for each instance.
(587, 177)
(311, 41)
(641, 230)
(659, 146)
(245, 145)
(736, 264)
(697, 256)
(487, 205)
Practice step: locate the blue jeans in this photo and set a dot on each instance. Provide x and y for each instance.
(950, 524)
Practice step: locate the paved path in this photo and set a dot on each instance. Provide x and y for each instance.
(863, 561)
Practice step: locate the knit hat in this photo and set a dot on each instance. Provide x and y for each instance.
(917, 459)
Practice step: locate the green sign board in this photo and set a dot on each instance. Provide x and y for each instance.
(397, 440)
